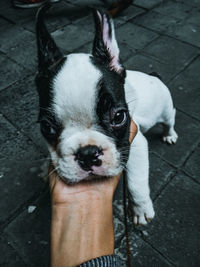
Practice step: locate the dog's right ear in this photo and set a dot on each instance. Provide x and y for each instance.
(48, 52)
(105, 47)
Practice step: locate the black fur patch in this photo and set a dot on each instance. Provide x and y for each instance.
(111, 96)
(50, 61)
(44, 87)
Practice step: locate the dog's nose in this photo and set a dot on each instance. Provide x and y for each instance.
(88, 156)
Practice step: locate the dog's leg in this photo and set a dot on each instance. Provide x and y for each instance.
(170, 136)
(138, 180)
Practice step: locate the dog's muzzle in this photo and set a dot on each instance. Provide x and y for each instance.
(88, 156)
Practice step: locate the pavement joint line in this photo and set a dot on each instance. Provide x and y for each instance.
(8, 20)
(34, 198)
(182, 70)
(186, 3)
(156, 38)
(146, 54)
(180, 40)
(164, 33)
(13, 248)
(23, 133)
(140, 235)
(145, 8)
(189, 115)
(191, 152)
(190, 176)
(128, 20)
(163, 159)
(22, 79)
(21, 254)
(178, 167)
(80, 47)
(16, 62)
(162, 189)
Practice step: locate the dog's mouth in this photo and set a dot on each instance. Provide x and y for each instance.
(92, 177)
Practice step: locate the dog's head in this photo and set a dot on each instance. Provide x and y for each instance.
(83, 113)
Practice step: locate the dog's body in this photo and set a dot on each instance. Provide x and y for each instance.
(149, 102)
(86, 105)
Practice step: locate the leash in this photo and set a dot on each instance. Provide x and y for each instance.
(125, 197)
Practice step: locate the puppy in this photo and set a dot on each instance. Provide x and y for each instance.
(86, 105)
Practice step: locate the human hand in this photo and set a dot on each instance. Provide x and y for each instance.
(82, 225)
(62, 193)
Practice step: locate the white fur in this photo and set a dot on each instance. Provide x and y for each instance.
(74, 93)
(74, 98)
(110, 43)
(149, 102)
(70, 143)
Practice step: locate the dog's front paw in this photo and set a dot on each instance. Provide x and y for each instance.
(171, 138)
(143, 213)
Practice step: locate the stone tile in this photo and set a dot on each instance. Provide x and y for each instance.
(194, 18)
(148, 64)
(141, 253)
(194, 3)
(10, 71)
(187, 32)
(4, 23)
(75, 35)
(126, 51)
(128, 14)
(175, 230)
(156, 21)
(20, 166)
(60, 15)
(20, 45)
(160, 174)
(86, 48)
(193, 163)
(29, 233)
(185, 89)
(188, 132)
(23, 112)
(177, 10)
(16, 15)
(147, 4)
(172, 52)
(134, 36)
(9, 256)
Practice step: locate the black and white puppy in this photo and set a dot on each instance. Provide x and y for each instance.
(85, 118)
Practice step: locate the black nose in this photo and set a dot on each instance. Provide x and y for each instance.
(88, 156)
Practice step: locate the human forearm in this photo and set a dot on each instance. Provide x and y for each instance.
(81, 230)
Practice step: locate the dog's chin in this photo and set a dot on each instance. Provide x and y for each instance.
(90, 178)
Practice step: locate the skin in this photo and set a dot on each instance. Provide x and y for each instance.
(82, 218)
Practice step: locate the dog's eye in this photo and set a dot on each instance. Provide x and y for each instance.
(47, 130)
(119, 118)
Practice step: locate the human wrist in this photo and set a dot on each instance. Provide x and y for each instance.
(83, 229)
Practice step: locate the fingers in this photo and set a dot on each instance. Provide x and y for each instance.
(133, 131)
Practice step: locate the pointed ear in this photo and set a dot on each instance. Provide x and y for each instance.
(105, 46)
(48, 52)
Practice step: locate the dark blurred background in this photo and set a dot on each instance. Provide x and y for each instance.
(154, 36)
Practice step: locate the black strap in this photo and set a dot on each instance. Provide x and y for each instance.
(125, 196)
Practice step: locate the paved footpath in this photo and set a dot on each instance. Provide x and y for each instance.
(154, 36)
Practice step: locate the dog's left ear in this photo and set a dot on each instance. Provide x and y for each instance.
(105, 48)
(48, 52)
